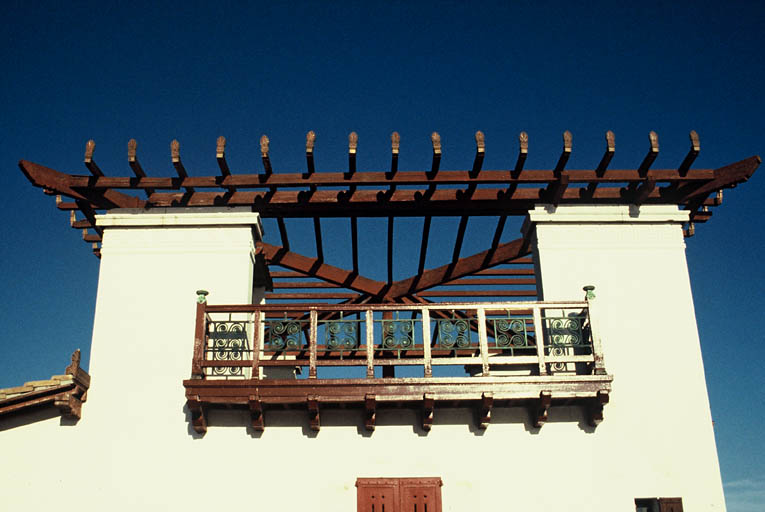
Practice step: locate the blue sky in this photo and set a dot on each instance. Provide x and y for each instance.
(193, 71)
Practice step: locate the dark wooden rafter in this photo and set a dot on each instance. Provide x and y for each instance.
(352, 194)
(317, 235)
(395, 143)
(310, 140)
(390, 251)
(264, 149)
(90, 147)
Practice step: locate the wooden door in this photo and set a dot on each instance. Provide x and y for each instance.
(670, 505)
(398, 494)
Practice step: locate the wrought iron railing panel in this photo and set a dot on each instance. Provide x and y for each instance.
(227, 341)
(532, 338)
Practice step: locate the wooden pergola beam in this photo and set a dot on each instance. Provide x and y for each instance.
(463, 267)
(316, 268)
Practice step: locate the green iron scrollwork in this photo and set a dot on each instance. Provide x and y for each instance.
(284, 335)
(510, 333)
(341, 335)
(454, 334)
(398, 334)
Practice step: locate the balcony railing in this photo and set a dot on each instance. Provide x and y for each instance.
(250, 354)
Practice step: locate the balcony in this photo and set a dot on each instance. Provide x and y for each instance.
(315, 356)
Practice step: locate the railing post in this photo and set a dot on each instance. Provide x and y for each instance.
(539, 335)
(257, 342)
(312, 335)
(597, 349)
(483, 342)
(370, 344)
(199, 335)
(426, 342)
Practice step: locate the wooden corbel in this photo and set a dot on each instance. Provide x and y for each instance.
(595, 407)
(370, 411)
(541, 408)
(198, 417)
(256, 413)
(69, 405)
(428, 403)
(313, 413)
(484, 412)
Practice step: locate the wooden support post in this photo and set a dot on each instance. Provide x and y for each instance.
(692, 154)
(353, 144)
(484, 411)
(313, 414)
(428, 405)
(200, 336)
(257, 343)
(135, 165)
(310, 140)
(283, 233)
(540, 408)
(426, 341)
(198, 416)
(370, 344)
(317, 234)
(220, 156)
(264, 155)
(390, 250)
(539, 335)
(90, 147)
(483, 342)
(256, 413)
(599, 366)
(370, 411)
(395, 142)
(312, 335)
(355, 244)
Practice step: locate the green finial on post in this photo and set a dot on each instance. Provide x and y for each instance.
(202, 296)
(589, 291)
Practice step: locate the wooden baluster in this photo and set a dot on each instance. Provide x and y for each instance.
(200, 335)
(426, 342)
(257, 343)
(539, 335)
(599, 367)
(483, 342)
(312, 344)
(370, 344)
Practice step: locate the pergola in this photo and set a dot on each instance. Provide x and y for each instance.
(391, 194)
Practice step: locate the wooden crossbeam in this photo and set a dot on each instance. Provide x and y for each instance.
(315, 268)
(463, 267)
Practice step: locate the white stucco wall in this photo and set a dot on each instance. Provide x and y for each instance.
(134, 448)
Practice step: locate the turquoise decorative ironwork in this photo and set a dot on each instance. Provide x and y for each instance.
(510, 333)
(565, 331)
(284, 334)
(341, 334)
(227, 341)
(454, 334)
(398, 334)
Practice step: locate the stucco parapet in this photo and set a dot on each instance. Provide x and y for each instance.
(181, 217)
(605, 214)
